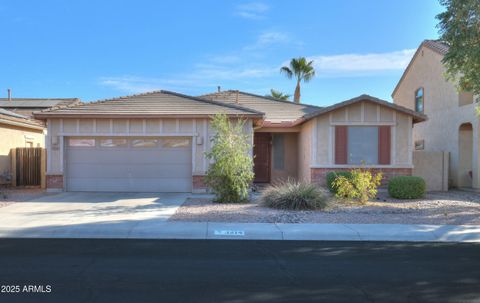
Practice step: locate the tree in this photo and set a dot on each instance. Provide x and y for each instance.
(275, 94)
(460, 29)
(231, 173)
(302, 70)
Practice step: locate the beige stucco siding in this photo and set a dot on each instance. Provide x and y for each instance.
(363, 114)
(305, 138)
(198, 129)
(12, 137)
(442, 106)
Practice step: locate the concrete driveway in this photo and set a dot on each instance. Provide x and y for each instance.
(88, 214)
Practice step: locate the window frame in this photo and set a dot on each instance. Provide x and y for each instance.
(95, 142)
(416, 97)
(112, 138)
(276, 149)
(374, 146)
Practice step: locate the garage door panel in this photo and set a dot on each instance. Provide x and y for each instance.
(129, 169)
(133, 185)
(132, 156)
(80, 170)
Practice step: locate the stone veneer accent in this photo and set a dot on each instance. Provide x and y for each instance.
(198, 183)
(318, 175)
(55, 181)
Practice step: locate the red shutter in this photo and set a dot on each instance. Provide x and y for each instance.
(384, 145)
(341, 139)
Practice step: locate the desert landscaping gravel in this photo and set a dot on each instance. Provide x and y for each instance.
(453, 207)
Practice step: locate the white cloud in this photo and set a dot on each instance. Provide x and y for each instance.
(267, 39)
(252, 10)
(354, 64)
(244, 66)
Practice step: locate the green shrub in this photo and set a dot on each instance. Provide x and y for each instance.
(406, 187)
(294, 195)
(331, 176)
(361, 186)
(231, 173)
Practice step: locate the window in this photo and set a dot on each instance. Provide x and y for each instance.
(362, 145)
(81, 142)
(419, 100)
(144, 143)
(278, 151)
(419, 145)
(175, 142)
(113, 143)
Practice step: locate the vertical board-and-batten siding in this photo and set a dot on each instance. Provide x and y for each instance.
(363, 114)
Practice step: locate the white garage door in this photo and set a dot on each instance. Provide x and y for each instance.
(129, 164)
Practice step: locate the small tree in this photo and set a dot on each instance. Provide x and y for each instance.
(231, 173)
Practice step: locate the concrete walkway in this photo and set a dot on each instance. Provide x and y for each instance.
(148, 229)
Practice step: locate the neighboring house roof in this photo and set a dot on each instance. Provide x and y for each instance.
(153, 104)
(435, 45)
(36, 102)
(11, 118)
(417, 117)
(278, 113)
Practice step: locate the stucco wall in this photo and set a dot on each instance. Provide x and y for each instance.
(305, 151)
(363, 114)
(199, 129)
(441, 104)
(433, 168)
(11, 137)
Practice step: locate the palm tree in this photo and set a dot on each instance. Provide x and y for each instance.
(275, 94)
(302, 70)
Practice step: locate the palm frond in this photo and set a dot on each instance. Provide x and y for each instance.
(287, 71)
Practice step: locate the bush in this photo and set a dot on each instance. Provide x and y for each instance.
(406, 187)
(231, 173)
(362, 185)
(331, 176)
(294, 195)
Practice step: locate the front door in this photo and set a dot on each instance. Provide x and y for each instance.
(262, 151)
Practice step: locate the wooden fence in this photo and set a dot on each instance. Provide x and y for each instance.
(28, 166)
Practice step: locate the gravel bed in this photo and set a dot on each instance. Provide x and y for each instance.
(9, 196)
(453, 207)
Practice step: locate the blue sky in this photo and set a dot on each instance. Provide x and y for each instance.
(102, 49)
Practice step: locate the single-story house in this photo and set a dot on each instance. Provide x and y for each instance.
(157, 141)
(16, 131)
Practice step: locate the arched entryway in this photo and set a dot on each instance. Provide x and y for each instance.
(465, 153)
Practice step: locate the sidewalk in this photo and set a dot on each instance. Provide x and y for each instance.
(253, 231)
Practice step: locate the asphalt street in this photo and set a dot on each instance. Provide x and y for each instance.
(76, 270)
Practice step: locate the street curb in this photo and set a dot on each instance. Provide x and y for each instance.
(256, 231)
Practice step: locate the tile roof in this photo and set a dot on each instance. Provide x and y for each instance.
(417, 117)
(12, 118)
(152, 104)
(277, 112)
(36, 102)
(435, 45)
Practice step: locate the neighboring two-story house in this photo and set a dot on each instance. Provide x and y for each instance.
(452, 123)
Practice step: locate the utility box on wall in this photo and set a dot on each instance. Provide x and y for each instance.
(433, 167)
